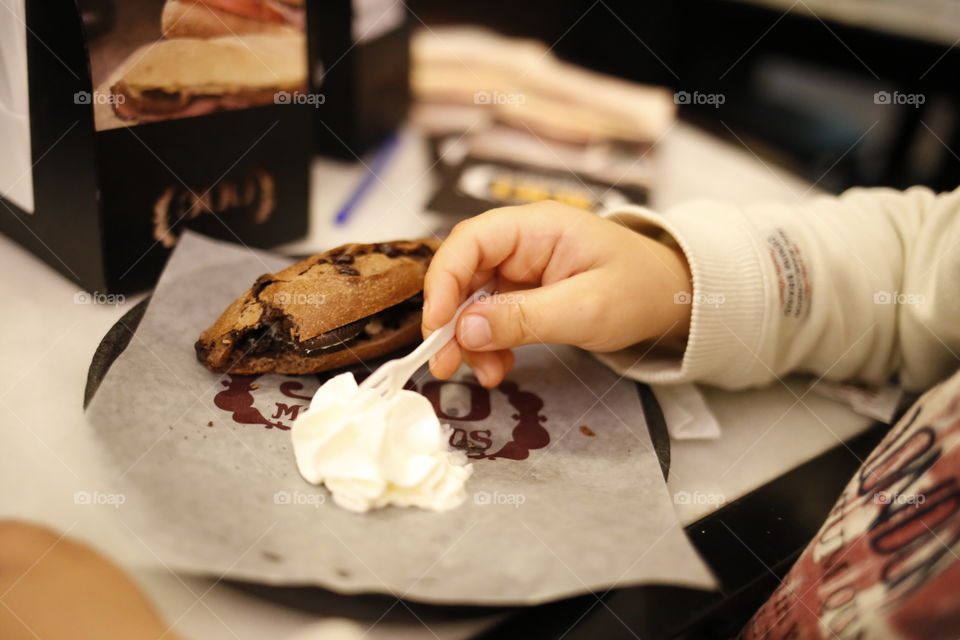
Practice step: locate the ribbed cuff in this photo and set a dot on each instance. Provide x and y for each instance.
(729, 306)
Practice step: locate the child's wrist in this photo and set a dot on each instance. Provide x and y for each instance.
(668, 293)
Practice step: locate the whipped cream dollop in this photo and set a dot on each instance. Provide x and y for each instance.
(371, 452)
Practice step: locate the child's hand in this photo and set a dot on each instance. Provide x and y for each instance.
(564, 276)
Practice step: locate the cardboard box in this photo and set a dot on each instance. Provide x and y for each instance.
(360, 52)
(117, 167)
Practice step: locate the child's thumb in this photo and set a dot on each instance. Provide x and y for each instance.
(506, 320)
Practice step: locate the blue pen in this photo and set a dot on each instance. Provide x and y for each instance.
(374, 170)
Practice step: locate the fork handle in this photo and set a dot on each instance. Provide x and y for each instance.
(436, 340)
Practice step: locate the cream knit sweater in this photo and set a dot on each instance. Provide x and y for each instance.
(857, 287)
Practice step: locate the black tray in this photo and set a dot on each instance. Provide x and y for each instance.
(749, 544)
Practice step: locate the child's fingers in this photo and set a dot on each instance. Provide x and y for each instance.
(447, 361)
(515, 242)
(507, 359)
(486, 366)
(473, 247)
(563, 312)
(490, 367)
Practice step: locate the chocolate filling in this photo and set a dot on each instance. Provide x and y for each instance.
(273, 338)
(340, 258)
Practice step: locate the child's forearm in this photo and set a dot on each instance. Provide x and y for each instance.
(861, 286)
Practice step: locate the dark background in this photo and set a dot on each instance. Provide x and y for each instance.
(799, 89)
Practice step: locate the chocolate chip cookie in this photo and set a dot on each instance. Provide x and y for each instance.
(348, 305)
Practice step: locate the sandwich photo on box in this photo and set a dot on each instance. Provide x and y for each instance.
(190, 77)
(214, 18)
(184, 58)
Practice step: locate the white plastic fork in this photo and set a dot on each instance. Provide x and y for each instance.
(390, 377)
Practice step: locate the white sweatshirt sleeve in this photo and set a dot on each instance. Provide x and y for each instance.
(856, 287)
